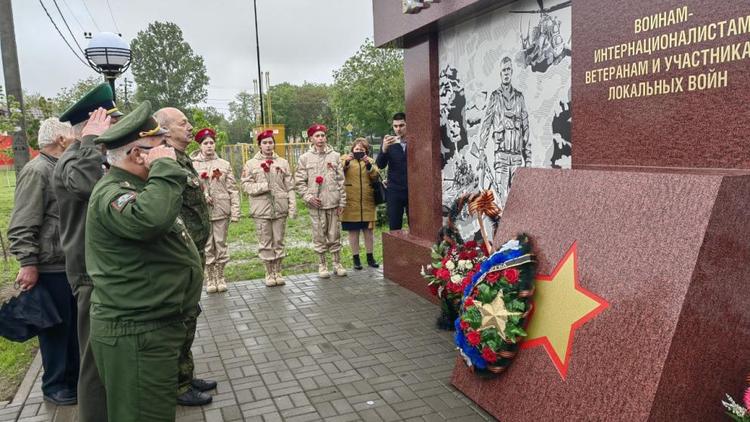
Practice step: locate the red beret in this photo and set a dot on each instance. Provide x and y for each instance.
(205, 133)
(316, 128)
(265, 134)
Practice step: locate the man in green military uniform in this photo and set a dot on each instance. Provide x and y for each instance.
(145, 267)
(75, 174)
(195, 214)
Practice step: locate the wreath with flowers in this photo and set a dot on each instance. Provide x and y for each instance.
(495, 307)
(455, 262)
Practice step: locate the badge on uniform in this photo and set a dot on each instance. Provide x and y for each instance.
(122, 200)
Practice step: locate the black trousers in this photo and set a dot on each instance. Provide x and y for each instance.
(59, 344)
(396, 203)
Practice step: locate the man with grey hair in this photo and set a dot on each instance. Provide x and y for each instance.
(34, 238)
(75, 176)
(506, 124)
(194, 212)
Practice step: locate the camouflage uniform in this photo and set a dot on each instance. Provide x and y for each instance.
(195, 214)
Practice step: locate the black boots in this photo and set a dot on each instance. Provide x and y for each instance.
(371, 261)
(357, 262)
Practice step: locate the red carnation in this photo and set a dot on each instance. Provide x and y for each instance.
(489, 355)
(470, 244)
(443, 274)
(469, 301)
(464, 325)
(455, 288)
(477, 267)
(204, 175)
(269, 162)
(466, 281)
(464, 255)
(473, 338)
(493, 277)
(511, 274)
(319, 180)
(445, 260)
(433, 289)
(265, 167)
(472, 254)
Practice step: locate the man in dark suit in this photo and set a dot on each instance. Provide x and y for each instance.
(393, 156)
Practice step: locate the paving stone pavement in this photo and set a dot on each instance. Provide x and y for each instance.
(345, 349)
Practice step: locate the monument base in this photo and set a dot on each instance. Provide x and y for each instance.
(669, 254)
(403, 256)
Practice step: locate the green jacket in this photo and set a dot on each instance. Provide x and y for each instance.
(145, 268)
(75, 175)
(34, 228)
(194, 211)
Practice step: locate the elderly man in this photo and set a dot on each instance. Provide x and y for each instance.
(35, 241)
(195, 214)
(145, 268)
(75, 175)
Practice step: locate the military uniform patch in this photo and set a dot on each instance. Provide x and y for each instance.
(123, 200)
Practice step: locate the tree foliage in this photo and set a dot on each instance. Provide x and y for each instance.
(299, 106)
(166, 70)
(242, 117)
(369, 89)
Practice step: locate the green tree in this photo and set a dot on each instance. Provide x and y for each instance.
(166, 70)
(242, 117)
(66, 97)
(369, 88)
(297, 107)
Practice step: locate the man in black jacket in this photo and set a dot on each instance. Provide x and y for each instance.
(393, 155)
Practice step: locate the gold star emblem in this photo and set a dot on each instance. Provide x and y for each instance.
(561, 306)
(495, 314)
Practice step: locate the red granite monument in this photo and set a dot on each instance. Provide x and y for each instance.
(641, 235)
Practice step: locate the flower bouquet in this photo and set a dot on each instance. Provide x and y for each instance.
(455, 262)
(495, 307)
(452, 269)
(738, 412)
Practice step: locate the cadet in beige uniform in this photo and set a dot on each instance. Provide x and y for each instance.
(268, 181)
(319, 179)
(223, 197)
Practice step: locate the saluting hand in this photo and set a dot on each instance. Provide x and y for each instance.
(98, 123)
(162, 151)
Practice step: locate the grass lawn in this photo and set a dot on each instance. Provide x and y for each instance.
(15, 358)
(244, 263)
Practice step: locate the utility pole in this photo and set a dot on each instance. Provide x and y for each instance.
(13, 81)
(126, 84)
(260, 75)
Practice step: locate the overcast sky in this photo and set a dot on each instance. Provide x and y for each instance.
(300, 40)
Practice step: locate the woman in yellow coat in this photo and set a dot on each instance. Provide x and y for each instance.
(359, 214)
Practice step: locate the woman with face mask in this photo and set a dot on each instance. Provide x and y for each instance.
(267, 179)
(220, 187)
(359, 214)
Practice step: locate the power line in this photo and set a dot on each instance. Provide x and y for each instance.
(73, 14)
(61, 34)
(112, 16)
(66, 25)
(90, 15)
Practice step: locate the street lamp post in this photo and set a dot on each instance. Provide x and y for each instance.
(108, 54)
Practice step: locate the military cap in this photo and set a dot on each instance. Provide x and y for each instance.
(265, 134)
(138, 124)
(100, 96)
(205, 133)
(316, 128)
